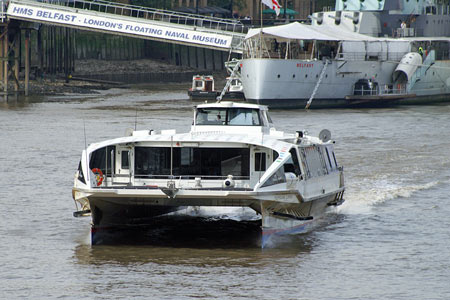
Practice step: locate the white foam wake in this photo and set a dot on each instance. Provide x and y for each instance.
(361, 199)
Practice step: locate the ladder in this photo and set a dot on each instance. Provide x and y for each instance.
(232, 76)
(308, 104)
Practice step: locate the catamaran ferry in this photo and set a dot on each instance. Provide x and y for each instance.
(232, 157)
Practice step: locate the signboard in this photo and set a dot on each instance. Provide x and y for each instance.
(114, 24)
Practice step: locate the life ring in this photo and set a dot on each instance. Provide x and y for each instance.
(98, 175)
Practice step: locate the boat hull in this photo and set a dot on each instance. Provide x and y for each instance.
(114, 214)
(354, 102)
(275, 224)
(290, 83)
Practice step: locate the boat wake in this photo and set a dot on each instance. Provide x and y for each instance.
(224, 213)
(362, 200)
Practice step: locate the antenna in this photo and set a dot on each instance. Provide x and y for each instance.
(85, 147)
(135, 120)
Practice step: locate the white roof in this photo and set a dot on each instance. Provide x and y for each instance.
(229, 104)
(308, 32)
(199, 137)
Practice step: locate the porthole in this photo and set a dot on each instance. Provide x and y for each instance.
(317, 75)
(278, 76)
(293, 75)
(306, 75)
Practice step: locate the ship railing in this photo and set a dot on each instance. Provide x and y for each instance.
(381, 90)
(147, 13)
(367, 56)
(190, 177)
(404, 32)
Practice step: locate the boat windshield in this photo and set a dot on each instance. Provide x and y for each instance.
(235, 116)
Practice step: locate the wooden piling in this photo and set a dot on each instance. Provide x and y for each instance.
(5, 62)
(27, 61)
(16, 60)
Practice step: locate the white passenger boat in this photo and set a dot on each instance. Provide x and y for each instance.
(232, 157)
(365, 53)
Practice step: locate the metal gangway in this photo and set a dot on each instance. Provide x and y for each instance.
(133, 21)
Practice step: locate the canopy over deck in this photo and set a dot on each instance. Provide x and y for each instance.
(298, 31)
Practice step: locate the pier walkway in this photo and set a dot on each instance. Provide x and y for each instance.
(133, 21)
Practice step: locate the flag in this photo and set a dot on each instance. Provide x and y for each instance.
(273, 4)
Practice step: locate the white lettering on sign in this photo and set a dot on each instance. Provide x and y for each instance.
(113, 24)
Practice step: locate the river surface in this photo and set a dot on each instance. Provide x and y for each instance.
(389, 240)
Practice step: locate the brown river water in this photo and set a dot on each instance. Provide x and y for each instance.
(389, 240)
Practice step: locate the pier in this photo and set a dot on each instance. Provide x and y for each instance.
(19, 17)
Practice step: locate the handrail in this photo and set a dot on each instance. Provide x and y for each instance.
(151, 14)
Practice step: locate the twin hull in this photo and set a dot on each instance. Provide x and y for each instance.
(118, 208)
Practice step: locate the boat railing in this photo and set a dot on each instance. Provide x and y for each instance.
(381, 89)
(154, 14)
(191, 177)
(403, 32)
(367, 56)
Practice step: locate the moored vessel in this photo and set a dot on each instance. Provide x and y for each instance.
(232, 157)
(366, 53)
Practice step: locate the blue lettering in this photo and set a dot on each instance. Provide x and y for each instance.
(23, 11)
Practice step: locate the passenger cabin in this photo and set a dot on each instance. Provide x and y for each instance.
(230, 146)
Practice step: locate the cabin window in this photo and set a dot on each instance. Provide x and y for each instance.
(228, 116)
(101, 159)
(276, 178)
(125, 164)
(314, 162)
(260, 161)
(214, 163)
(292, 165)
(80, 173)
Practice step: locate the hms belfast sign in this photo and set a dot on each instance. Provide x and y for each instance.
(119, 24)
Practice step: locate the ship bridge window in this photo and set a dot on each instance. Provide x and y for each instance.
(292, 165)
(314, 162)
(191, 162)
(234, 116)
(101, 159)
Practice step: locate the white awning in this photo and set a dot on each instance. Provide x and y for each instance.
(298, 31)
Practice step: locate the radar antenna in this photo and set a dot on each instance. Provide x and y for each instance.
(325, 135)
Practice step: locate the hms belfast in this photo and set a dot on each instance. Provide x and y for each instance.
(365, 53)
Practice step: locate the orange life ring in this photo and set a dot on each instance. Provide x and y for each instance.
(98, 175)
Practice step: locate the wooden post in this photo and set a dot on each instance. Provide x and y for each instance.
(27, 61)
(3, 33)
(66, 54)
(5, 62)
(16, 60)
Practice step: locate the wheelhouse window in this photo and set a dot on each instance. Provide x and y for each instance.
(234, 116)
(214, 163)
(314, 161)
(292, 164)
